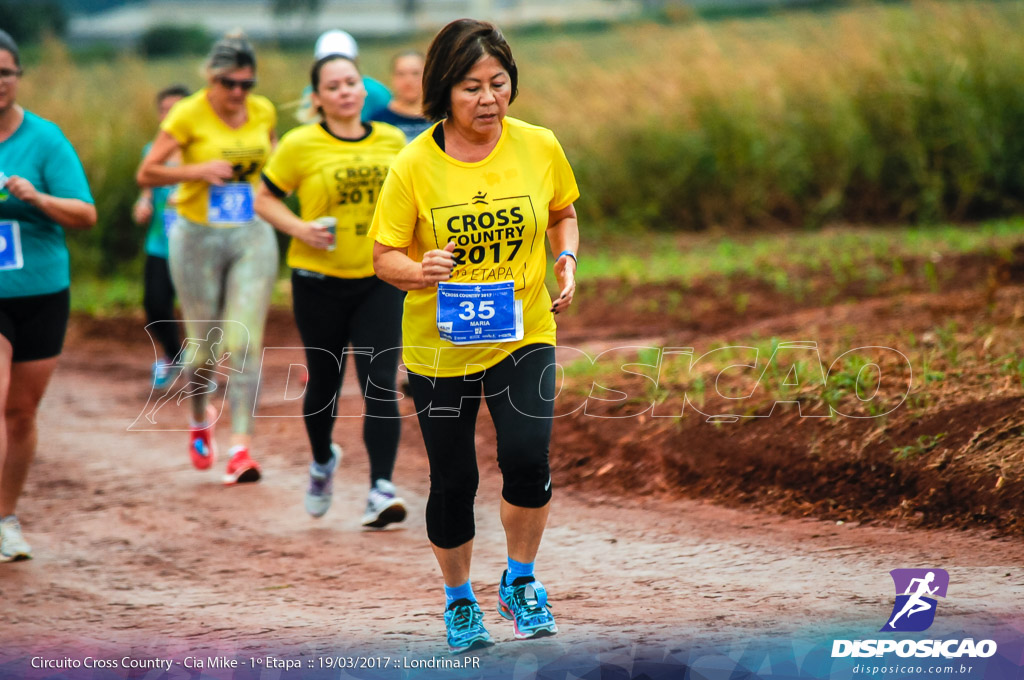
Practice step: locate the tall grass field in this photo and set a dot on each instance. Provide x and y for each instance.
(875, 113)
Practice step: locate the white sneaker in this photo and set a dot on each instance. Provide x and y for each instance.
(12, 543)
(321, 486)
(383, 506)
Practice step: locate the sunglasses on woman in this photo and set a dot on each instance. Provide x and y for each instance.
(230, 83)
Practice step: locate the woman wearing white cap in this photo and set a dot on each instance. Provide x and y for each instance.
(342, 43)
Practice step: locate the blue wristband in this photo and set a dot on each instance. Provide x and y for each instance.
(570, 254)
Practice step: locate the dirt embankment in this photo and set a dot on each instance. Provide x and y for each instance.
(950, 454)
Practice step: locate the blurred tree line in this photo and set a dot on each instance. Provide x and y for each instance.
(29, 20)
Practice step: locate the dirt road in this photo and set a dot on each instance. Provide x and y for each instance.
(136, 552)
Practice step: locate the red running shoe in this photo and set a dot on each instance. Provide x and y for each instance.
(202, 447)
(241, 468)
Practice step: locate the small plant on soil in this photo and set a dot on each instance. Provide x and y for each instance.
(924, 444)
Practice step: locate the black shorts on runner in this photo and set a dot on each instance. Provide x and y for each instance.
(35, 324)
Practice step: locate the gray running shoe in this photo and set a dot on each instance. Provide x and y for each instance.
(383, 506)
(12, 544)
(321, 486)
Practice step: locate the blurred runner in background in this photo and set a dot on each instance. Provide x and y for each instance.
(405, 110)
(336, 168)
(153, 208)
(223, 257)
(341, 43)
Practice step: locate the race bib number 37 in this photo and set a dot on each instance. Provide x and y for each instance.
(479, 312)
(230, 203)
(170, 218)
(10, 246)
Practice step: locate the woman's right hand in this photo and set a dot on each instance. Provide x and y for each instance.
(315, 235)
(142, 211)
(214, 172)
(437, 265)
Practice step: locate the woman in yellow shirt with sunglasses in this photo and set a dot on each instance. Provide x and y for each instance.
(223, 258)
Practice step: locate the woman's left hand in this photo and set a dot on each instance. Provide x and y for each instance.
(22, 189)
(565, 273)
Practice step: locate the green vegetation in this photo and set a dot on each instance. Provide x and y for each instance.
(118, 293)
(166, 40)
(924, 444)
(27, 20)
(866, 114)
(875, 113)
(850, 254)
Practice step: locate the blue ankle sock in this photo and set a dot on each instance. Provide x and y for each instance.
(463, 592)
(517, 569)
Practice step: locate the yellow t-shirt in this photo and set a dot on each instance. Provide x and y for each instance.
(497, 212)
(339, 178)
(203, 136)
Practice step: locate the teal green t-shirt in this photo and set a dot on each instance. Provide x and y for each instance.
(39, 152)
(378, 96)
(156, 235)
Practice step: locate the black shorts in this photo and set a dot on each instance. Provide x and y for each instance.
(35, 324)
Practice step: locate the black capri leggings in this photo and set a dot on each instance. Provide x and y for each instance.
(520, 393)
(331, 313)
(158, 301)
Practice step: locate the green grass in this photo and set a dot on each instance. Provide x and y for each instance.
(119, 294)
(667, 259)
(851, 253)
(114, 295)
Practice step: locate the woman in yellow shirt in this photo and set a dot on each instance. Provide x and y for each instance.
(460, 225)
(223, 258)
(336, 168)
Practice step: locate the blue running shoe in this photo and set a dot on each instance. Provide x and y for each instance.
(465, 624)
(525, 603)
(164, 374)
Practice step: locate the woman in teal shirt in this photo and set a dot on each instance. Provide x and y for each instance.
(43, 190)
(154, 209)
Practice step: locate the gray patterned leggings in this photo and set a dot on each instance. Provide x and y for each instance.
(224, 278)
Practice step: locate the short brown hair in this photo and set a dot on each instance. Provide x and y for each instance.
(318, 66)
(453, 52)
(175, 90)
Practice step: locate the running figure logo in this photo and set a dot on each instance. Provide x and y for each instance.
(203, 379)
(202, 366)
(914, 610)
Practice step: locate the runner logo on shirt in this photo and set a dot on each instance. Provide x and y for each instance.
(245, 162)
(493, 237)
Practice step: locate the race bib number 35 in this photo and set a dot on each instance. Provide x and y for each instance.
(10, 246)
(479, 312)
(230, 203)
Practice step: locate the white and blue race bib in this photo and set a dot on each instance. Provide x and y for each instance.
(230, 203)
(10, 245)
(479, 312)
(170, 219)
